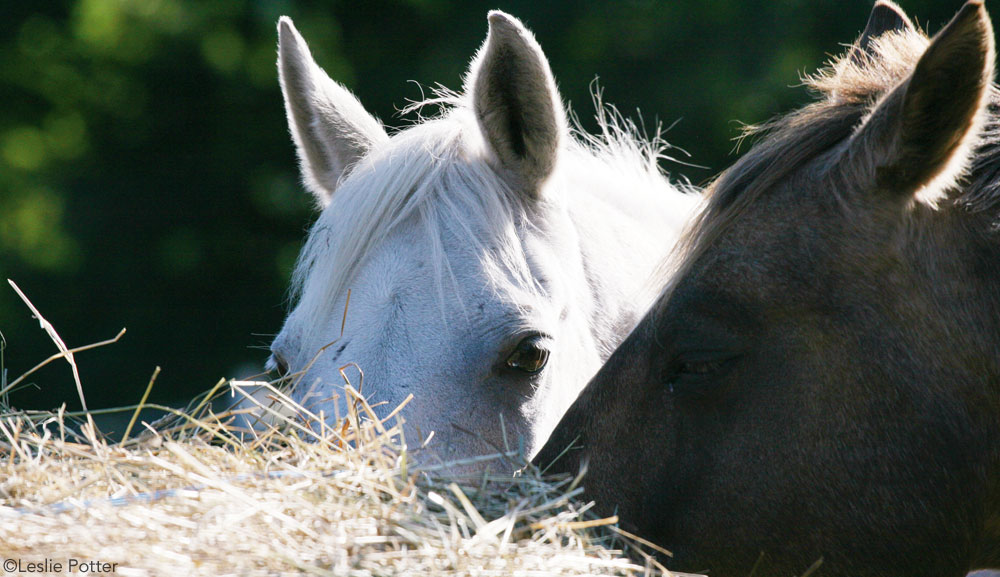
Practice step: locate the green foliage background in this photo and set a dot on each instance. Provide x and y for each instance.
(147, 179)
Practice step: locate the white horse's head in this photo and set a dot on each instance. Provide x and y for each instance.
(493, 260)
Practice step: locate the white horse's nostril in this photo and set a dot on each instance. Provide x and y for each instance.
(276, 363)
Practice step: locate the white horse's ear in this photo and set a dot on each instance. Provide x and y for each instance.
(516, 103)
(330, 128)
(920, 136)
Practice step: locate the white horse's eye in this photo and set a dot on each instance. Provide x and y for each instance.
(530, 355)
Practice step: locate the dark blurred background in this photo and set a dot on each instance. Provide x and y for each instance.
(147, 179)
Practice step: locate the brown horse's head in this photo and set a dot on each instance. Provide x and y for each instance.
(821, 379)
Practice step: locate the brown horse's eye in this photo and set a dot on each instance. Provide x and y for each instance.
(529, 356)
(700, 374)
(700, 367)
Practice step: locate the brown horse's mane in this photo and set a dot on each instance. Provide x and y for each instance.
(983, 192)
(849, 88)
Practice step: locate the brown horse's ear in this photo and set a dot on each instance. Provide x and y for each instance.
(920, 135)
(516, 104)
(885, 17)
(330, 128)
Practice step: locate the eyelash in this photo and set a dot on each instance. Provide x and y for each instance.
(701, 367)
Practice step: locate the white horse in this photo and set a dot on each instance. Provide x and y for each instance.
(494, 259)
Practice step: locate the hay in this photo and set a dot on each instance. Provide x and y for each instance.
(267, 488)
(196, 494)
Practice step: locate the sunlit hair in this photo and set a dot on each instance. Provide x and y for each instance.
(849, 87)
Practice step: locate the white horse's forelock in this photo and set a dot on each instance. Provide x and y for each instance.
(437, 170)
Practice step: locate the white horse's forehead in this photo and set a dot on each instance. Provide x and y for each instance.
(400, 269)
(403, 302)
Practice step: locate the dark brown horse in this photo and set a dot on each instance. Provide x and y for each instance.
(821, 379)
